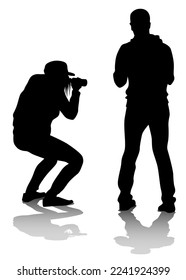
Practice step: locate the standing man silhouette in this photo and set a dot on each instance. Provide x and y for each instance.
(147, 64)
(43, 98)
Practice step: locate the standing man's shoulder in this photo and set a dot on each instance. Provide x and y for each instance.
(157, 40)
(160, 48)
(125, 47)
(166, 47)
(123, 52)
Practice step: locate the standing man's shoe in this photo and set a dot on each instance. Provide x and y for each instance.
(169, 208)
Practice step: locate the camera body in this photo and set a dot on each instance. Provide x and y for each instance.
(78, 82)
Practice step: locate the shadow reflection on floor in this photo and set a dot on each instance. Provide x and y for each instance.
(142, 239)
(40, 225)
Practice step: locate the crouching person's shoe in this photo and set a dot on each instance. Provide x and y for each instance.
(56, 201)
(127, 205)
(29, 196)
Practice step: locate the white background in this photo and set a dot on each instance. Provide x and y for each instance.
(87, 35)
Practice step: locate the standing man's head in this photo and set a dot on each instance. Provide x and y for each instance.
(140, 22)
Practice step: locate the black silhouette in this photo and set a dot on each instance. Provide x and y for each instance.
(40, 225)
(147, 64)
(142, 239)
(39, 104)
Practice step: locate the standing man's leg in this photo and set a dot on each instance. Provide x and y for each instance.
(135, 123)
(160, 132)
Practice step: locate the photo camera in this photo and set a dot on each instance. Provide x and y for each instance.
(78, 82)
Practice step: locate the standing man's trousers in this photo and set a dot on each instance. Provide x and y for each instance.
(137, 118)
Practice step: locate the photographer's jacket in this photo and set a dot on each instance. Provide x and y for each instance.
(38, 105)
(147, 64)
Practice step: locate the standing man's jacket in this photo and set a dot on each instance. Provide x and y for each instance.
(147, 64)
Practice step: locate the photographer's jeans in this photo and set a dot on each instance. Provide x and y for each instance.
(52, 150)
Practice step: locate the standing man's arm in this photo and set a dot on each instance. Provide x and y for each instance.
(169, 66)
(120, 74)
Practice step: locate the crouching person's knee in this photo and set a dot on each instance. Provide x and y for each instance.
(76, 162)
(79, 161)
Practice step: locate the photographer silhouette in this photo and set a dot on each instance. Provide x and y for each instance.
(43, 98)
(147, 63)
